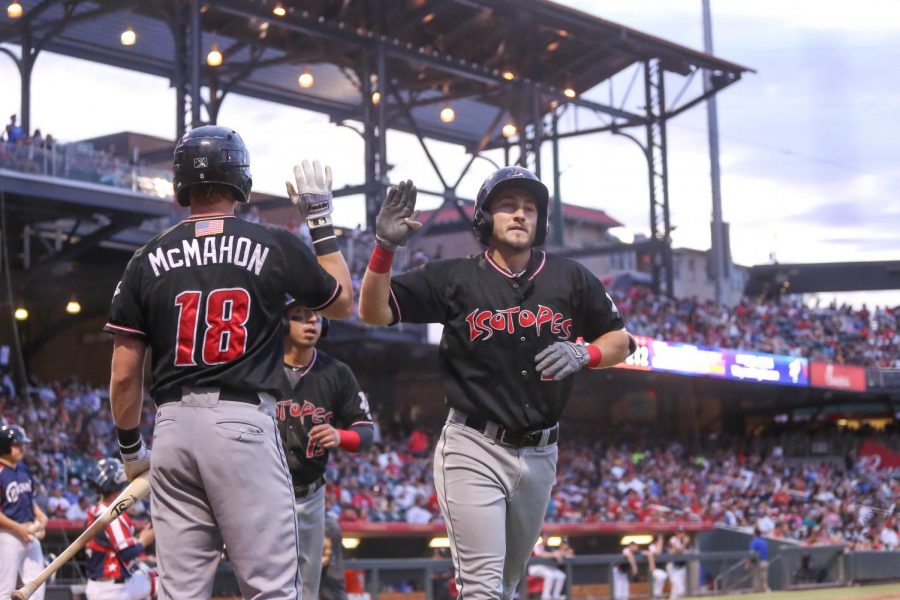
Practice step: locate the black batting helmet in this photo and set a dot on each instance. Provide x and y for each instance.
(499, 180)
(211, 154)
(12, 435)
(108, 476)
(290, 303)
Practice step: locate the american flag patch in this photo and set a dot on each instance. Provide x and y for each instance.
(202, 228)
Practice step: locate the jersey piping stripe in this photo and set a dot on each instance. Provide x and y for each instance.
(310, 365)
(449, 523)
(396, 306)
(334, 295)
(369, 423)
(207, 217)
(298, 586)
(128, 329)
(540, 266)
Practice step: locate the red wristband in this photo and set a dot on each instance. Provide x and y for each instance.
(596, 356)
(381, 260)
(349, 440)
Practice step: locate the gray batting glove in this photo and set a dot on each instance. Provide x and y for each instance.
(561, 359)
(312, 196)
(136, 462)
(396, 221)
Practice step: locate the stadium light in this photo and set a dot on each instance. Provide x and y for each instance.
(509, 130)
(279, 10)
(14, 11)
(73, 307)
(448, 115)
(509, 75)
(376, 98)
(21, 313)
(214, 58)
(350, 543)
(554, 541)
(569, 92)
(128, 37)
(439, 542)
(640, 539)
(306, 79)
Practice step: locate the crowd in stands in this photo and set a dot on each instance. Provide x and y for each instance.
(624, 477)
(829, 333)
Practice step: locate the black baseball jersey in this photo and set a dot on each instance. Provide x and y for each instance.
(326, 391)
(207, 295)
(496, 322)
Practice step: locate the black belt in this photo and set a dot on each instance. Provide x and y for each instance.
(304, 490)
(516, 439)
(228, 394)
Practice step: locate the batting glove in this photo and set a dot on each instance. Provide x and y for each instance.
(561, 359)
(396, 221)
(312, 196)
(136, 462)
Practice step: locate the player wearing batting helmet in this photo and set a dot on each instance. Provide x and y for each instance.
(22, 522)
(206, 297)
(112, 569)
(514, 318)
(323, 408)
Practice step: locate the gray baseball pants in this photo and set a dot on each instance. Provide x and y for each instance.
(311, 527)
(219, 474)
(494, 499)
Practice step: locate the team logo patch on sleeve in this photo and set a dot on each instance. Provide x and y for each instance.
(213, 227)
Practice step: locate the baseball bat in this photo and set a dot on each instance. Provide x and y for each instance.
(137, 489)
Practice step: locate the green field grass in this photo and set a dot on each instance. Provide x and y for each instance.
(868, 592)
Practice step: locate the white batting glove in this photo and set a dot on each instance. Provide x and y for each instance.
(561, 359)
(136, 462)
(312, 196)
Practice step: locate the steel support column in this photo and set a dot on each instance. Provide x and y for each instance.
(658, 173)
(195, 65)
(558, 225)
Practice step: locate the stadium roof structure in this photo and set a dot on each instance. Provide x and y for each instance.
(483, 74)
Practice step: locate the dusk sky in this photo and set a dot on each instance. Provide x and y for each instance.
(808, 143)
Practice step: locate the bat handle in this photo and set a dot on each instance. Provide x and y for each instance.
(25, 592)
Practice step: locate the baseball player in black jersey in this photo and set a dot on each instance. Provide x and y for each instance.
(206, 297)
(514, 318)
(322, 394)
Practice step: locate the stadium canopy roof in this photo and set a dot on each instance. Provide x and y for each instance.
(478, 56)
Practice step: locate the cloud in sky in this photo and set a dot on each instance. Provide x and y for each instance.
(808, 143)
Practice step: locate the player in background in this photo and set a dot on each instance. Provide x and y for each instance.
(658, 573)
(333, 585)
(515, 324)
(206, 298)
(554, 579)
(112, 569)
(22, 522)
(677, 569)
(323, 408)
(625, 572)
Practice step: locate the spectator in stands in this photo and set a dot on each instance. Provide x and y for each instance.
(57, 504)
(14, 133)
(78, 512)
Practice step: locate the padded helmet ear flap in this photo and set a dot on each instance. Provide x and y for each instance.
(325, 326)
(286, 325)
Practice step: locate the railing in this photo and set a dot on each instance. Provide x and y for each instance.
(80, 162)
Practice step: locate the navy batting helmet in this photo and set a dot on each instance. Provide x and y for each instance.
(12, 435)
(291, 303)
(499, 180)
(211, 154)
(108, 476)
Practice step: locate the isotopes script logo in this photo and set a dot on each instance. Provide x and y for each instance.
(317, 415)
(509, 320)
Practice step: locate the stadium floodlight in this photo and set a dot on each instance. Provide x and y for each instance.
(128, 37)
(21, 313)
(376, 98)
(509, 75)
(306, 79)
(509, 130)
(14, 10)
(439, 542)
(554, 541)
(214, 58)
(350, 543)
(569, 92)
(448, 115)
(279, 10)
(73, 307)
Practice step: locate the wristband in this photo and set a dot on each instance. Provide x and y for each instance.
(381, 260)
(323, 238)
(595, 356)
(348, 440)
(129, 440)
